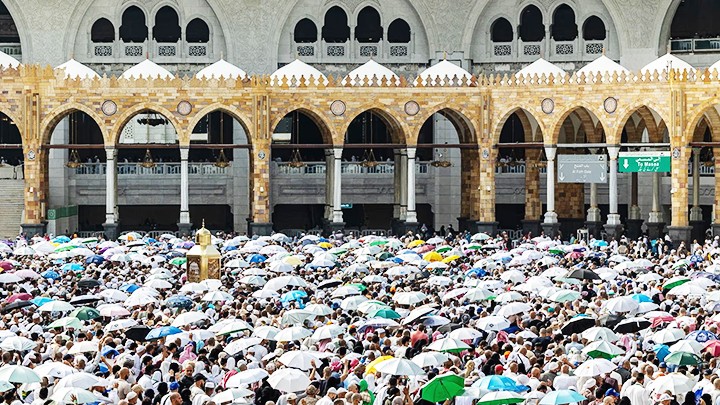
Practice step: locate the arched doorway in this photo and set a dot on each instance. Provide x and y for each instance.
(134, 27)
(705, 171)
(307, 204)
(336, 29)
(167, 26)
(223, 168)
(11, 178)
(75, 168)
(694, 26)
(9, 35)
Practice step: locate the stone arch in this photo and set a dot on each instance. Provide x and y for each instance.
(526, 118)
(305, 31)
(171, 29)
(126, 34)
(594, 29)
(335, 8)
(315, 116)
(102, 30)
(127, 115)
(18, 19)
(501, 30)
(558, 125)
(399, 31)
(54, 117)
(197, 30)
(236, 114)
(458, 116)
(527, 31)
(372, 33)
(398, 130)
(570, 26)
(713, 118)
(645, 110)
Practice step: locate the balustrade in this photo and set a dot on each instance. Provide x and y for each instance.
(160, 169)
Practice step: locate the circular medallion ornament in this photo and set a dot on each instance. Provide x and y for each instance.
(109, 107)
(676, 153)
(610, 105)
(31, 155)
(184, 107)
(412, 108)
(261, 155)
(337, 108)
(486, 153)
(547, 105)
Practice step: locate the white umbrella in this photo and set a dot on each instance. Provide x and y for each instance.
(265, 332)
(236, 346)
(668, 335)
(231, 395)
(193, 288)
(158, 284)
(292, 333)
(676, 383)
(54, 369)
(299, 359)
(253, 280)
(399, 367)
(430, 359)
(595, 367)
(448, 344)
(112, 310)
(604, 347)
(494, 323)
(514, 308)
(73, 395)
(81, 380)
(188, 318)
(85, 346)
(352, 303)
(7, 278)
(120, 324)
(217, 296)
(621, 304)
(289, 380)
(113, 295)
(18, 374)
(600, 333)
(56, 306)
(409, 298)
(278, 283)
(232, 326)
(327, 332)
(17, 343)
(139, 300)
(319, 309)
(687, 346)
(465, 334)
(246, 377)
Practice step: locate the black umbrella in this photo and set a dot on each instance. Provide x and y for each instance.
(85, 299)
(612, 320)
(329, 283)
(137, 333)
(584, 274)
(632, 325)
(449, 328)
(88, 283)
(578, 324)
(16, 305)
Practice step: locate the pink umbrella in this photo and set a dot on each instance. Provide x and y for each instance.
(6, 265)
(19, 297)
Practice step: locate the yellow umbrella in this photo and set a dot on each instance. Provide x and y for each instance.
(415, 243)
(450, 259)
(370, 369)
(292, 260)
(432, 257)
(325, 245)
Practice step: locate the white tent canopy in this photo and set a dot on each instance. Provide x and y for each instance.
(540, 67)
(147, 69)
(74, 69)
(7, 61)
(602, 65)
(666, 61)
(371, 70)
(223, 69)
(442, 73)
(296, 69)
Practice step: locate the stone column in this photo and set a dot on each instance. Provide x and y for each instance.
(184, 225)
(337, 217)
(35, 172)
(679, 228)
(260, 223)
(110, 226)
(716, 210)
(593, 221)
(396, 180)
(550, 224)
(411, 216)
(613, 227)
(655, 224)
(486, 195)
(696, 220)
(329, 183)
(533, 206)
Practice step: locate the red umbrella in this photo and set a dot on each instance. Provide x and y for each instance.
(6, 265)
(659, 320)
(712, 347)
(19, 297)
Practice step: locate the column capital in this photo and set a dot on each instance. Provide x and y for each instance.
(184, 153)
(411, 153)
(550, 151)
(696, 150)
(337, 152)
(613, 151)
(110, 152)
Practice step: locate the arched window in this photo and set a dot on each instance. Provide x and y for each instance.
(167, 25)
(368, 26)
(102, 31)
(531, 27)
(305, 31)
(133, 28)
(399, 31)
(8, 31)
(594, 29)
(696, 19)
(563, 27)
(501, 31)
(197, 31)
(336, 27)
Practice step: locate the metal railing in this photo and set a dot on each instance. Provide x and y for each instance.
(11, 172)
(689, 45)
(320, 168)
(160, 169)
(705, 170)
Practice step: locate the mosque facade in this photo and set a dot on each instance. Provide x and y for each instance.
(363, 115)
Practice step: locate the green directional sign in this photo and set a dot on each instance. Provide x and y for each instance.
(644, 162)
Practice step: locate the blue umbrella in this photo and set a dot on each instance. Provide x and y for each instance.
(641, 298)
(256, 258)
(696, 259)
(151, 240)
(95, 259)
(179, 301)
(323, 240)
(229, 248)
(661, 351)
(562, 397)
(163, 331)
(701, 336)
(476, 271)
(394, 259)
(599, 243)
(72, 267)
(50, 274)
(295, 295)
(172, 254)
(40, 300)
(499, 383)
(129, 288)
(61, 239)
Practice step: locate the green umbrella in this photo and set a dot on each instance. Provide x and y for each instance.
(378, 242)
(443, 387)
(359, 286)
(386, 313)
(602, 349)
(85, 313)
(500, 398)
(338, 251)
(66, 322)
(178, 261)
(384, 256)
(473, 246)
(557, 251)
(443, 249)
(674, 282)
(565, 296)
(683, 359)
